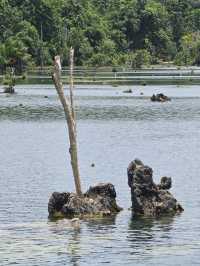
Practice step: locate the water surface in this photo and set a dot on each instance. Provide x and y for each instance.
(113, 129)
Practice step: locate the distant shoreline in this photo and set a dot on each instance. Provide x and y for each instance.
(117, 76)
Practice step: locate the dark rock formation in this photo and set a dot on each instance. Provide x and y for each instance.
(160, 97)
(9, 89)
(149, 199)
(99, 200)
(165, 183)
(128, 91)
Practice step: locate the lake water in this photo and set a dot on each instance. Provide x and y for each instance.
(113, 129)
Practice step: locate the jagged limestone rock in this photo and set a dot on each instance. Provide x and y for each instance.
(149, 199)
(99, 200)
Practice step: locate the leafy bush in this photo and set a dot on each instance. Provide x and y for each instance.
(139, 58)
(189, 53)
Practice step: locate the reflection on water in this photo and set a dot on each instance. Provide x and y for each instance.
(105, 223)
(142, 232)
(113, 129)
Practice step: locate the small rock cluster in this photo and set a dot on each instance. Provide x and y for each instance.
(128, 91)
(99, 200)
(148, 198)
(160, 97)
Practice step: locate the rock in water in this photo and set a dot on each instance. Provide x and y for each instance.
(160, 97)
(9, 89)
(149, 199)
(99, 200)
(128, 91)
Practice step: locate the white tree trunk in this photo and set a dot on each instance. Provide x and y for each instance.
(70, 117)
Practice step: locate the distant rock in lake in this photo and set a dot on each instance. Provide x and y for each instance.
(160, 97)
(149, 199)
(9, 89)
(128, 91)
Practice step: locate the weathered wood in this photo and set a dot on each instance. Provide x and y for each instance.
(71, 86)
(68, 110)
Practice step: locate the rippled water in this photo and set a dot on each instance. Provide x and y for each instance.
(113, 129)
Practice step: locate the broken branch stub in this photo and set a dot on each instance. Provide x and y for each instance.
(70, 122)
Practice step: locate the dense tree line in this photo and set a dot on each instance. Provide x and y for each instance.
(103, 32)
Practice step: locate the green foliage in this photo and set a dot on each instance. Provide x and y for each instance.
(103, 32)
(139, 58)
(189, 53)
(9, 81)
(194, 19)
(16, 53)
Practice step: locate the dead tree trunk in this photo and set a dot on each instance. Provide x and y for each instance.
(70, 117)
(71, 86)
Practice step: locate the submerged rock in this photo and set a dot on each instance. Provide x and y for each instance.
(149, 199)
(160, 97)
(99, 200)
